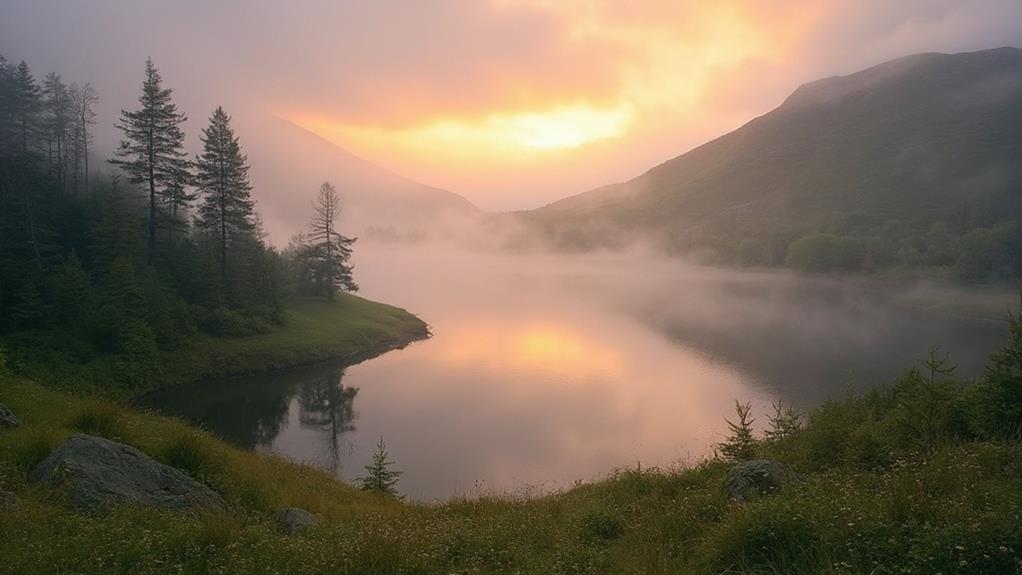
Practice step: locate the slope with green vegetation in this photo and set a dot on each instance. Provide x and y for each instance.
(914, 164)
(920, 476)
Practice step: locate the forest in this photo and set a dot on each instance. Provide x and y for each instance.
(104, 265)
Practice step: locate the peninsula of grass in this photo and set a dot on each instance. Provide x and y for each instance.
(308, 331)
(349, 328)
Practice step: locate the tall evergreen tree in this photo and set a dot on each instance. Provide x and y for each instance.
(226, 212)
(26, 102)
(74, 294)
(328, 252)
(151, 152)
(1002, 384)
(57, 107)
(83, 98)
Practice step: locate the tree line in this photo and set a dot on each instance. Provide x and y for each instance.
(107, 266)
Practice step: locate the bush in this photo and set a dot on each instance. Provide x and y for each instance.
(193, 455)
(600, 525)
(101, 419)
(769, 538)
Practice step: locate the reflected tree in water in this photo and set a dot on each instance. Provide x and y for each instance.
(325, 404)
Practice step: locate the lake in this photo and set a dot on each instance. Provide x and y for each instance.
(543, 371)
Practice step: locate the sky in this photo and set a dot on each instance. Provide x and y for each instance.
(510, 103)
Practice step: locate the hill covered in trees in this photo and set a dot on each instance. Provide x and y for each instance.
(107, 269)
(915, 163)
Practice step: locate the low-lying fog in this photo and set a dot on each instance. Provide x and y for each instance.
(548, 369)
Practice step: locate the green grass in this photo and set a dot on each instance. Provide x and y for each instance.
(350, 328)
(953, 509)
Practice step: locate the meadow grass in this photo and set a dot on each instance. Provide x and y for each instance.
(956, 508)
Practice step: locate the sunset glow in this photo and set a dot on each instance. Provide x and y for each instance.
(499, 133)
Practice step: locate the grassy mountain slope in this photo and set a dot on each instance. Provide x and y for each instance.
(920, 150)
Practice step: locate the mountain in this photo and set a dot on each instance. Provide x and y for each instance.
(914, 162)
(289, 163)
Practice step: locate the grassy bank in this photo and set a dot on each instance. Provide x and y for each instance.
(313, 330)
(350, 328)
(866, 504)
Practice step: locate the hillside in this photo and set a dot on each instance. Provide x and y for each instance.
(919, 476)
(916, 162)
(288, 158)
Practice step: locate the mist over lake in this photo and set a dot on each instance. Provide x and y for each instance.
(544, 370)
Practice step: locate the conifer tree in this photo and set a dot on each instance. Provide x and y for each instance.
(380, 477)
(1002, 383)
(74, 293)
(57, 105)
(786, 421)
(740, 445)
(327, 252)
(26, 102)
(226, 212)
(151, 152)
(83, 98)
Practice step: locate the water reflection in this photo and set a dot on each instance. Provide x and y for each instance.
(327, 406)
(545, 371)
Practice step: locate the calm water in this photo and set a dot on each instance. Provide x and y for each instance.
(543, 371)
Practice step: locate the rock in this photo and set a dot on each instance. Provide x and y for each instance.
(8, 501)
(293, 520)
(751, 479)
(96, 473)
(7, 418)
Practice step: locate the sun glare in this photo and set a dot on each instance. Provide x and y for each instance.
(524, 132)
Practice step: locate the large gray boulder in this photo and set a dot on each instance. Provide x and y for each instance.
(96, 473)
(294, 520)
(751, 479)
(7, 418)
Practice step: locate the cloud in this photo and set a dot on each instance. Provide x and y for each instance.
(458, 93)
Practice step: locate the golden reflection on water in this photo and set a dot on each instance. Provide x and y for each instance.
(531, 347)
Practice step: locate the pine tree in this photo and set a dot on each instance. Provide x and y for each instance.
(28, 310)
(74, 293)
(740, 445)
(327, 251)
(57, 105)
(151, 152)
(26, 102)
(83, 98)
(117, 232)
(786, 421)
(380, 477)
(226, 212)
(1003, 383)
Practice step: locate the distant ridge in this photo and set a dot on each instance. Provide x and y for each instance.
(925, 143)
(290, 159)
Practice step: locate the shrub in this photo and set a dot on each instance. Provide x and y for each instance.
(600, 525)
(191, 453)
(770, 538)
(100, 419)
